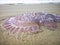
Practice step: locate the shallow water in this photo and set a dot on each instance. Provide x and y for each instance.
(46, 37)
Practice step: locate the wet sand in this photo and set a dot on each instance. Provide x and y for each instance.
(46, 37)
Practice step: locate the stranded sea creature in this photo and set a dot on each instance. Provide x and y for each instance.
(30, 22)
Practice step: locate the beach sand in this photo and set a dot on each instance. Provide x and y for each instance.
(46, 37)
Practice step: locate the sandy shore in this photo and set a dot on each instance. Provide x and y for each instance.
(47, 37)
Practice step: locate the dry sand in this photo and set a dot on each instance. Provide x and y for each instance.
(47, 37)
